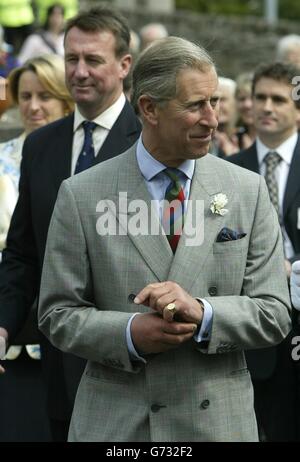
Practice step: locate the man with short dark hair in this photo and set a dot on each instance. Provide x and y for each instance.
(103, 125)
(276, 155)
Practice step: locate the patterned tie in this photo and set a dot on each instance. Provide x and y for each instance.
(272, 160)
(173, 214)
(87, 154)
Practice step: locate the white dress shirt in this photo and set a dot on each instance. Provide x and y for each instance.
(286, 151)
(104, 121)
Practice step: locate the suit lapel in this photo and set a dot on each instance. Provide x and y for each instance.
(185, 266)
(153, 247)
(250, 159)
(122, 135)
(293, 184)
(189, 259)
(61, 151)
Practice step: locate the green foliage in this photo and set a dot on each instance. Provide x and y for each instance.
(230, 7)
(288, 9)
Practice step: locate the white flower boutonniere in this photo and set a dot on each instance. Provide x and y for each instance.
(218, 203)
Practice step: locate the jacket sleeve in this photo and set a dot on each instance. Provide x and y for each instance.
(260, 315)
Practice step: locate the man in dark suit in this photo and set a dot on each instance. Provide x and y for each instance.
(276, 155)
(103, 126)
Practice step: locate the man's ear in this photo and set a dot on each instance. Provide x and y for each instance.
(298, 117)
(125, 65)
(148, 109)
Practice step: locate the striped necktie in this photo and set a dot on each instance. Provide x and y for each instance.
(87, 153)
(272, 160)
(173, 214)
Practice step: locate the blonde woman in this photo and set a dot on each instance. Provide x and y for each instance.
(38, 88)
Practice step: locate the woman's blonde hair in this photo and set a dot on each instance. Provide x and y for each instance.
(51, 73)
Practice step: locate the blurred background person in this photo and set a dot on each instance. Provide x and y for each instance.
(41, 7)
(246, 131)
(7, 60)
(7, 63)
(39, 90)
(275, 154)
(17, 19)
(225, 141)
(49, 39)
(134, 50)
(288, 49)
(151, 32)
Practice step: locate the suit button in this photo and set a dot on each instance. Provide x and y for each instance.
(131, 297)
(212, 291)
(205, 404)
(156, 407)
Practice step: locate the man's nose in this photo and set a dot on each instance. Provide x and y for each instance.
(209, 116)
(81, 70)
(268, 105)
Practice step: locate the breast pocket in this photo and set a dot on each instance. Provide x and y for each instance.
(227, 265)
(239, 246)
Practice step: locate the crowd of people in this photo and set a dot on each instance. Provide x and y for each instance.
(148, 336)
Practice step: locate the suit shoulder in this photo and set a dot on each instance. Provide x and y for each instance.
(46, 132)
(234, 172)
(236, 158)
(104, 172)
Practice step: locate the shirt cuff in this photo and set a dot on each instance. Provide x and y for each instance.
(204, 333)
(132, 351)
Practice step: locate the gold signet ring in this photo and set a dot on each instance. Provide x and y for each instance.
(171, 307)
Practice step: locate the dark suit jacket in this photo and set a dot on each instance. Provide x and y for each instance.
(291, 203)
(262, 363)
(46, 163)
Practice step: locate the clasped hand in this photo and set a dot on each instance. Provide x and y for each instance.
(162, 329)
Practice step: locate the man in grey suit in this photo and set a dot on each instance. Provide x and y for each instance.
(163, 321)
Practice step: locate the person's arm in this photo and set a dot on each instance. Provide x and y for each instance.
(19, 267)
(257, 317)
(260, 315)
(68, 314)
(8, 198)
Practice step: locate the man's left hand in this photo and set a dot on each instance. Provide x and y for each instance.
(160, 294)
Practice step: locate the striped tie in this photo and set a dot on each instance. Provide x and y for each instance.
(173, 214)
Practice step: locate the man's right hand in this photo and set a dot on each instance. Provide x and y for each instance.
(3, 341)
(151, 333)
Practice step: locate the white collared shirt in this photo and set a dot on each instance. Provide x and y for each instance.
(104, 122)
(286, 151)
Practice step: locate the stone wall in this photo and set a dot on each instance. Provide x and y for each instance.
(237, 44)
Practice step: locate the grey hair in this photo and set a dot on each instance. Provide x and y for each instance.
(228, 83)
(285, 44)
(156, 69)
